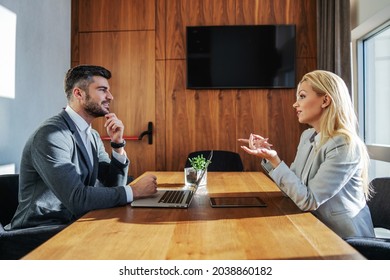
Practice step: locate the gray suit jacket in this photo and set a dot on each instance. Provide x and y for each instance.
(330, 186)
(57, 181)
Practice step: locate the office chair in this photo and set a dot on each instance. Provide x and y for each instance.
(14, 244)
(379, 204)
(221, 161)
(8, 197)
(376, 248)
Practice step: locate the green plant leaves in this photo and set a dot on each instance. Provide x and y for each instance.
(199, 162)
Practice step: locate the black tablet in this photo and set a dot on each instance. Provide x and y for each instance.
(237, 201)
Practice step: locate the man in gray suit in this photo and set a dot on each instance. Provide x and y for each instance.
(65, 171)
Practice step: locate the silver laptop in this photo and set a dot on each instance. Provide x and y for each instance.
(171, 198)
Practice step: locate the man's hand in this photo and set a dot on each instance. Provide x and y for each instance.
(145, 186)
(114, 127)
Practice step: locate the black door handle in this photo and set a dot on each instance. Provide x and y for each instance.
(149, 133)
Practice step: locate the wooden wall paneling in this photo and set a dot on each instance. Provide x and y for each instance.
(214, 120)
(210, 12)
(205, 118)
(252, 117)
(182, 13)
(175, 29)
(130, 57)
(226, 133)
(116, 15)
(305, 65)
(160, 29)
(180, 125)
(304, 16)
(160, 126)
(265, 11)
(196, 120)
(74, 55)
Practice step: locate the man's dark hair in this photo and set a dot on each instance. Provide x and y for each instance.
(82, 76)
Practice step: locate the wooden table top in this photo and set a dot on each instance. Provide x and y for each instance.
(278, 231)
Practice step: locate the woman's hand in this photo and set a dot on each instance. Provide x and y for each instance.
(259, 146)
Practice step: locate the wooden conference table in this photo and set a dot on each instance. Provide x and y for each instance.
(278, 231)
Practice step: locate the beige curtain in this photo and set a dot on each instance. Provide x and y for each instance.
(333, 38)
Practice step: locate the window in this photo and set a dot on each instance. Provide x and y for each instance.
(376, 95)
(7, 52)
(371, 50)
(376, 71)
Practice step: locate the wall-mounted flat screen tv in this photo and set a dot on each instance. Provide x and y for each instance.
(240, 56)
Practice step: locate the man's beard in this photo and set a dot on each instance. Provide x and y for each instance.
(94, 109)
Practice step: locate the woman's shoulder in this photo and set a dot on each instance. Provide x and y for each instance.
(307, 133)
(337, 143)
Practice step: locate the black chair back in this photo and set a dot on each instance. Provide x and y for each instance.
(16, 243)
(9, 189)
(374, 248)
(221, 161)
(371, 248)
(379, 204)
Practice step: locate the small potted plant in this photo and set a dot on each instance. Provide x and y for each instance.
(198, 164)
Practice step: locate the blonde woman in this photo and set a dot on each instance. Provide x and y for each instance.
(329, 173)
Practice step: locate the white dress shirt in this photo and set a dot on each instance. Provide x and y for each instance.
(84, 129)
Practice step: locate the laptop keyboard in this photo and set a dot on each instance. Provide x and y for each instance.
(172, 197)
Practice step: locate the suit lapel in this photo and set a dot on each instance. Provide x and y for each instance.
(309, 159)
(95, 160)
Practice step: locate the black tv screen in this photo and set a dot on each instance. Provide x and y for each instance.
(241, 56)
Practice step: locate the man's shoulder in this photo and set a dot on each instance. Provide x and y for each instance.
(58, 120)
(52, 127)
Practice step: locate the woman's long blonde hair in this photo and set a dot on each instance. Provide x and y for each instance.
(339, 117)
